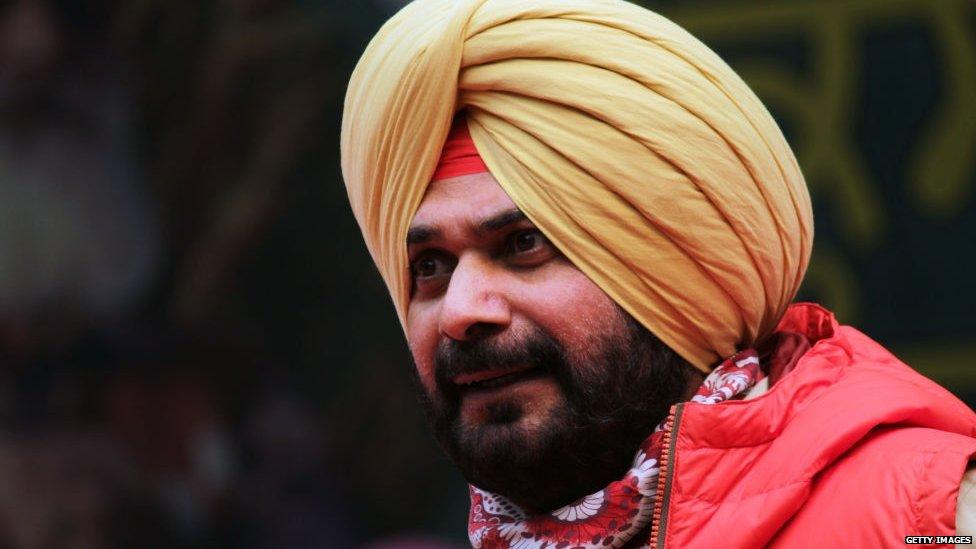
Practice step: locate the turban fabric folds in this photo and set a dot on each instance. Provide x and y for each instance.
(633, 147)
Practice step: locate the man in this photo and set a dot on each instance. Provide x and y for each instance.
(592, 231)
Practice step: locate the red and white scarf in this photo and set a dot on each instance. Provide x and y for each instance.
(614, 515)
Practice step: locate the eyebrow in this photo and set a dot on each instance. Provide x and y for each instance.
(501, 220)
(423, 233)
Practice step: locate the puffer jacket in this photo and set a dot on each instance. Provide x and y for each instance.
(851, 448)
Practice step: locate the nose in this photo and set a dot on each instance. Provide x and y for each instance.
(475, 303)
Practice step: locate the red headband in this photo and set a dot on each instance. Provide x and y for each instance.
(459, 156)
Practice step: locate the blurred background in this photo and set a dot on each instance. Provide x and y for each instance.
(195, 349)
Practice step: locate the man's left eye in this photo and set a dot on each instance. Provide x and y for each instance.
(528, 241)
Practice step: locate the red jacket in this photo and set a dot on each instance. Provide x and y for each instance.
(851, 448)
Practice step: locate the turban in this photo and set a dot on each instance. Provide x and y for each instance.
(633, 147)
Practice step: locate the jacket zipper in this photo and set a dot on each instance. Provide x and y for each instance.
(659, 521)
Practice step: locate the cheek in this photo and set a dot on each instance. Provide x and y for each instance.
(574, 309)
(422, 338)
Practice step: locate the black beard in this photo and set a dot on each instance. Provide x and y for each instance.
(612, 399)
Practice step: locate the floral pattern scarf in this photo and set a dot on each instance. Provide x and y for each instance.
(614, 515)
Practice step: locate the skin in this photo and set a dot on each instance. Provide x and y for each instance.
(469, 281)
(491, 296)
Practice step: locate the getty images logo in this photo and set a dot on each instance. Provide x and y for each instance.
(937, 540)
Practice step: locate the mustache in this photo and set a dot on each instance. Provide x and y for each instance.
(537, 349)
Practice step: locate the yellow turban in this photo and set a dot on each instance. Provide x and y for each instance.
(633, 147)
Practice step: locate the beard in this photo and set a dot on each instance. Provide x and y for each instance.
(612, 395)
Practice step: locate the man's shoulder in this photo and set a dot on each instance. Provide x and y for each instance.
(886, 448)
(909, 455)
(896, 481)
(851, 373)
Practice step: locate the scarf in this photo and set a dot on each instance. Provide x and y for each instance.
(612, 516)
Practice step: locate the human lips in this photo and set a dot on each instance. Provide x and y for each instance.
(490, 378)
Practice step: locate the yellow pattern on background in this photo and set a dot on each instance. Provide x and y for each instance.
(820, 107)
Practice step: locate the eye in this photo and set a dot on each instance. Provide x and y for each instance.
(528, 248)
(429, 266)
(526, 241)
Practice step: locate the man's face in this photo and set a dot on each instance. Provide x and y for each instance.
(537, 384)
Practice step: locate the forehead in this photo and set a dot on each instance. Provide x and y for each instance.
(469, 196)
